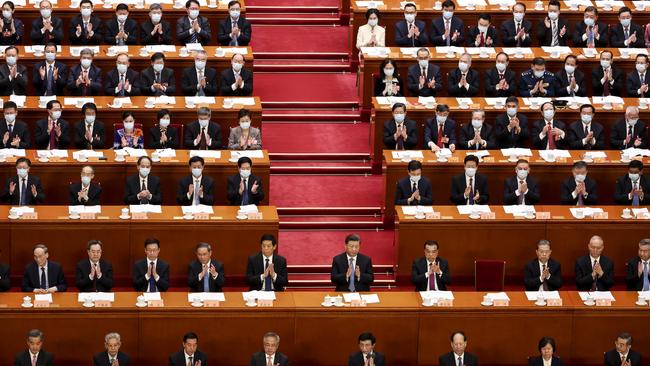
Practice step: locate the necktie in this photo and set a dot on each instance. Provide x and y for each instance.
(206, 288)
(482, 44)
(642, 81)
(112, 360)
(586, 131)
(520, 199)
(627, 34)
(590, 38)
(244, 196)
(52, 144)
(192, 358)
(351, 279)
(194, 37)
(629, 133)
(471, 191)
(122, 89)
(432, 280)
(49, 90)
(605, 86)
(152, 280)
(440, 136)
(460, 361)
(157, 77)
(448, 31)
(84, 87)
(414, 188)
(43, 279)
(196, 198)
(551, 139)
(554, 39)
(581, 201)
(33, 360)
(11, 128)
(23, 193)
(544, 283)
(635, 195)
(646, 281)
(120, 42)
(400, 139)
(95, 278)
(573, 93)
(143, 187)
(268, 281)
(518, 30)
(233, 40)
(423, 72)
(594, 284)
(200, 92)
(410, 27)
(203, 142)
(269, 361)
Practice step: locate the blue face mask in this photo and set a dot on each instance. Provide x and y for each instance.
(399, 117)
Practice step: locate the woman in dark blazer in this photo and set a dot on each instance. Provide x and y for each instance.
(546, 347)
(163, 135)
(388, 83)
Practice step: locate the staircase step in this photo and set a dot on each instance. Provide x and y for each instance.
(324, 279)
(328, 170)
(333, 157)
(307, 90)
(324, 190)
(350, 116)
(315, 138)
(296, 40)
(255, 9)
(302, 65)
(292, 3)
(293, 211)
(294, 18)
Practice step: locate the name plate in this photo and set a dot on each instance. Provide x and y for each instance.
(211, 303)
(103, 304)
(93, 159)
(139, 215)
(554, 302)
(445, 302)
(254, 216)
(357, 303)
(432, 215)
(265, 303)
(29, 216)
(543, 215)
(603, 302)
(488, 159)
(155, 303)
(201, 216)
(41, 304)
(88, 215)
(601, 215)
(131, 159)
(501, 302)
(488, 216)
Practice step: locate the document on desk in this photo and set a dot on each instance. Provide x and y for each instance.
(96, 296)
(211, 154)
(87, 154)
(370, 298)
(253, 154)
(558, 49)
(259, 295)
(202, 296)
(73, 101)
(498, 296)
(586, 211)
(151, 296)
(197, 209)
(79, 209)
(43, 297)
(408, 154)
(145, 208)
(470, 209)
(519, 210)
(350, 296)
(240, 101)
(532, 295)
(63, 154)
(248, 209)
(516, 151)
(444, 295)
(597, 295)
(12, 152)
(412, 210)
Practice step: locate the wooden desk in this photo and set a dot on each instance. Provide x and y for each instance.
(180, 114)
(232, 240)
(406, 332)
(419, 113)
(56, 176)
(514, 240)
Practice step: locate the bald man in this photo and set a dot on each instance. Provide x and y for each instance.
(594, 271)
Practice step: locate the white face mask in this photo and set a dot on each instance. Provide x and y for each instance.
(389, 72)
(580, 177)
(423, 63)
(538, 74)
(639, 67)
(158, 67)
(122, 18)
(633, 176)
(409, 17)
(463, 66)
(164, 122)
(90, 119)
(11, 60)
(194, 14)
(6, 14)
(156, 17)
(245, 125)
(518, 17)
(144, 172)
(553, 15)
(447, 14)
(570, 69)
(86, 62)
(235, 14)
(204, 122)
(625, 22)
(483, 29)
(200, 65)
(511, 111)
(470, 172)
(630, 122)
(85, 180)
(477, 123)
(244, 173)
(441, 119)
(45, 13)
(589, 22)
(522, 174)
(22, 172)
(196, 172)
(50, 56)
(12, 117)
(121, 68)
(586, 118)
(56, 115)
(237, 66)
(86, 12)
(399, 117)
(548, 114)
(501, 67)
(415, 178)
(128, 126)
(605, 63)
(373, 22)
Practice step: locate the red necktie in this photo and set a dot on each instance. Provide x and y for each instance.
(440, 144)
(482, 44)
(551, 140)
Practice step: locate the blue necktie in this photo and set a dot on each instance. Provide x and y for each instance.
(233, 41)
(351, 279)
(268, 281)
(152, 280)
(122, 89)
(194, 37)
(646, 282)
(244, 196)
(50, 81)
(206, 283)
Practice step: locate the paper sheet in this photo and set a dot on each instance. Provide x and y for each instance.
(197, 209)
(409, 51)
(587, 211)
(376, 51)
(96, 296)
(532, 295)
(576, 100)
(444, 295)
(516, 151)
(12, 152)
(479, 153)
(462, 101)
(514, 50)
(447, 49)
(212, 154)
(23, 209)
(136, 153)
(612, 3)
(408, 154)
(151, 296)
(538, 100)
(349, 296)
(260, 295)
(465, 3)
(497, 296)
(76, 50)
(63, 154)
(610, 99)
(201, 100)
(559, 49)
(479, 50)
(633, 151)
(166, 153)
(78, 209)
(73, 101)
(202, 296)
(145, 208)
(412, 210)
(595, 154)
(391, 100)
(18, 99)
(597, 295)
(518, 210)
(161, 48)
(426, 100)
(46, 99)
(43, 297)
(579, 2)
(248, 209)
(370, 298)
(469, 209)
(241, 101)
(253, 154)
(493, 101)
(87, 154)
(194, 47)
(549, 155)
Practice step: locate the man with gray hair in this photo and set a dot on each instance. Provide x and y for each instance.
(205, 273)
(199, 80)
(270, 355)
(112, 356)
(424, 78)
(623, 354)
(43, 276)
(463, 81)
(629, 131)
(594, 271)
(34, 355)
(543, 273)
(155, 31)
(638, 268)
(85, 79)
(203, 134)
(477, 135)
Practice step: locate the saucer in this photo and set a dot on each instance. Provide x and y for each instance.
(540, 303)
(442, 160)
(589, 303)
(644, 303)
(82, 160)
(13, 217)
(27, 305)
(74, 216)
(627, 216)
(125, 217)
(141, 305)
(530, 217)
(511, 160)
(197, 304)
(186, 217)
(420, 217)
(190, 106)
(428, 306)
(339, 305)
(120, 160)
(326, 304)
(149, 106)
(474, 216)
(251, 305)
(213, 6)
(241, 217)
(43, 160)
(486, 303)
(227, 107)
(91, 305)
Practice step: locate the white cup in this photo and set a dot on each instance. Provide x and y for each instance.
(227, 103)
(27, 300)
(555, 54)
(643, 103)
(149, 103)
(79, 103)
(627, 212)
(213, 2)
(141, 300)
(42, 103)
(483, 52)
(573, 5)
(580, 213)
(117, 103)
(338, 300)
(590, 52)
(125, 212)
(624, 53)
(437, 5)
(111, 51)
(250, 301)
(190, 103)
(81, 156)
(533, 102)
(498, 103)
(487, 300)
(641, 6)
(183, 51)
(139, 3)
(13, 212)
(428, 301)
(430, 104)
(143, 51)
(220, 52)
(540, 299)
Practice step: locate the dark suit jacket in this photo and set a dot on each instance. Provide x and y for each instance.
(94, 194)
(411, 131)
(225, 27)
(17, 85)
(98, 31)
(633, 280)
(80, 141)
(431, 131)
(617, 35)
(449, 359)
(32, 277)
(255, 268)
(569, 186)
(380, 86)
(173, 138)
(183, 185)
(433, 72)
(357, 359)
(24, 358)
(14, 199)
(402, 33)
(5, 278)
(540, 144)
(508, 139)
(473, 32)
(404, 188)
(418, 274)
(113, 80)
(20, 129)
(492, 79)
(532, 273)
(579, 30)
(101, 359)
(618, 134)
(55, 36)
(511, 184)
(340, 267)
(41, 84)
(562, 82)
(111, 29)
(538, 361)
(193, 276)
(140, 269)
(597, 87)
(576, 133)
(183, 27)
(132, 189)
(193, 129)
(613, 358)
(583, 274)
(454, 78)
(157, 39)
(17, 37)
(85, 284)
(189, 81)
(259, 359)
(228, 78)
(458, 189)
(624, 187)
(467, 133)
(438, 30)
(233, 190)
(43, 138)
(95, 76)
(545, 35)
(148, 78)
(633, 83)
(178, 358)
(509, 31)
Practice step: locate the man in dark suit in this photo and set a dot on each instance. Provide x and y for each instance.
(34, 355)
(270, 355)
(351, 270)
(245, 188)
(477, 135)
(623, 351)
(151, 274)
(13, 77)
(199, 80)
(447, 30)
(632, 187)
(89, 132)
(46, 28)
(469, 188)
(192, 28)
(424, 79)
(236, 81)
(143, 188)
(521, 189)
(410, 32)
(43, 276)
(94, 274)
(85, 79)
(569, 81)
(155, 31)
(626, 33)
(586, 134)
(236, 30)
(605, 78)
(594, 271)
(637, 81)
(203, 134)
(543, 273)
(5, 277)
(85, 28)
(205, 274)
(400, 133)
(367, 355)
(537, 81)
(195, 189)
(85, 192)
(638, 269)
(430, 273)
(50, 76)
(628, 131)
(267, 270)
(121, 30)
(52, 132)
(512, 126)
(112, 356)
(579, 190)
(440, 131)
(157, 79)
(458, 356)
(123, 81)
(516, 32)
(500, 80)
(14, 133)
(553, 30)
(463, 81)
(23, 188)
(189, 355)
(484, 34)
(414, 189)
(548, 133)
(590, 32)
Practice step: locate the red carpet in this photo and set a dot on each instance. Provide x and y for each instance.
(311, 87)
(316, 137)
(301, 39)
(326, 191)
(292, 3)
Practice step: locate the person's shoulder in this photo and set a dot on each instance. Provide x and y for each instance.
(526, 74)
